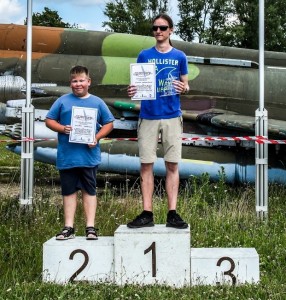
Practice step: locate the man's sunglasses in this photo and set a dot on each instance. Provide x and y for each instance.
(162, 28)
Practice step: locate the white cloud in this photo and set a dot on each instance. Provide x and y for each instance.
(11, 10)
(86, 26)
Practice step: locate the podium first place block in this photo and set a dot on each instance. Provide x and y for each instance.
(152, 255)
(78, 260)
(213, 266)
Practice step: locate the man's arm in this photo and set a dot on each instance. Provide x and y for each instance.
(184, 79)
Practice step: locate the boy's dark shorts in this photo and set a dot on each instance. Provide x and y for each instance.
(75, 179)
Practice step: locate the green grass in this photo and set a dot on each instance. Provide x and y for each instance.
(219, 215)
(10, 165)
(7, 158)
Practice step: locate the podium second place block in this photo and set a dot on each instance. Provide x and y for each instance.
(78, 260)
(152, 255)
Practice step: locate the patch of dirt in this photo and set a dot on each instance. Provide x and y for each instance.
(13, 190)
(9, 189)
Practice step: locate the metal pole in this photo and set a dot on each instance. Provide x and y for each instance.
(261, 129)
(27, 154)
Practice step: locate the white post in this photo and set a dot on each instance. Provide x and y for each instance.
(261, 129)
(27, 154)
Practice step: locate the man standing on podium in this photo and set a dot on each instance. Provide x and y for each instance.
(161, 118)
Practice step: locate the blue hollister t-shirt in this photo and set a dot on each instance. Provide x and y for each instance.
(71, 155)
(168, 66)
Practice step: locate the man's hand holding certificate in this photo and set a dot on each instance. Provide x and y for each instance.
(143, 76)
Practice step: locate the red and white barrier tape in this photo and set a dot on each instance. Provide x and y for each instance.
(257, 139)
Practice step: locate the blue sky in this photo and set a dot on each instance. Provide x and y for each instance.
(88, 14)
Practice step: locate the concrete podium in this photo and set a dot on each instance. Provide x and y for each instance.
(152, 255)
(213, 266)
(78, 260)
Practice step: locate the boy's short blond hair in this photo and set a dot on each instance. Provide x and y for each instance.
(76, 70)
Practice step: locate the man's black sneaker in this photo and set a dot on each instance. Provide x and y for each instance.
(176, 221)
(143, 220)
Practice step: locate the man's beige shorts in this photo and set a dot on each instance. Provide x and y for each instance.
(169, 131)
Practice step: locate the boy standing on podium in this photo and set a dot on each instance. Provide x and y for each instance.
(78, 162)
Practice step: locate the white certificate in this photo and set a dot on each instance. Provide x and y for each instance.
(143, 75)
(83, 123)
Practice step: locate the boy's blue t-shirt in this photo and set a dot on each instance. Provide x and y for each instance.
(71, 155)
(168, 65)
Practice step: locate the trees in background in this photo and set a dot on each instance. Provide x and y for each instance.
(204, 21)
(218, 22)
(232, 23)
(133, 16)
(49, 18)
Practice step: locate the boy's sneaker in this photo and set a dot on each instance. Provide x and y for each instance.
(143, 220)
(66, 234)
(174, 220)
